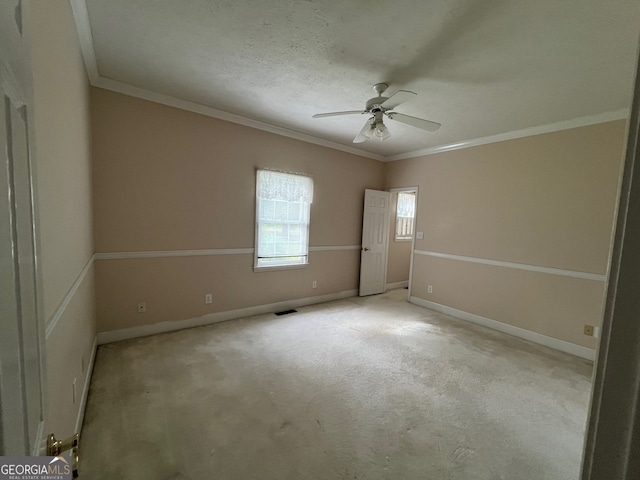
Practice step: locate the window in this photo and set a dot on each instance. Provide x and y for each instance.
(405, 215)
(283, 202)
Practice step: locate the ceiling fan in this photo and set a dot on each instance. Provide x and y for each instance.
(379, 106)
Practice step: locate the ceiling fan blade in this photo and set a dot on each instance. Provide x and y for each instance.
(361, 137)
(334, 114)
(397, 98)
(414, 121)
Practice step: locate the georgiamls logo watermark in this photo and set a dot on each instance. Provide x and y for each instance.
(35, 468)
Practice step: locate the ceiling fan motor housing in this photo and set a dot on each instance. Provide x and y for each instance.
(373, 104)
(379, 106)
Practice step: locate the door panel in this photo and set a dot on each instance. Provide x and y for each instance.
(27, 276)
(375, 237)
(21, 329)
(14, 438)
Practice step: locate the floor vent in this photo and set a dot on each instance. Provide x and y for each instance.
(286, 312)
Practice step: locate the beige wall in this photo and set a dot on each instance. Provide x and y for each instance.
(62, 151)
(167, 179)
(163, 180)
(546, 200)
(399, 250)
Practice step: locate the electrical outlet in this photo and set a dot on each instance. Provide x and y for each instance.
(142, 307)
(430, 289)
(208, 298)
(314, 284)
(588, 330)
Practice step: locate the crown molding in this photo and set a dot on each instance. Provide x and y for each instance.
(525, 132)
(81, 18)
(83, 26)
(133, 91)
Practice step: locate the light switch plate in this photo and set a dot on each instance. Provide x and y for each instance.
(420, 235)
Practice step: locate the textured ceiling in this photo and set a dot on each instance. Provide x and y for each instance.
(480, 67)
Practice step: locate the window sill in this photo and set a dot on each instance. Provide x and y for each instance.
(279, 267)
(402, 239)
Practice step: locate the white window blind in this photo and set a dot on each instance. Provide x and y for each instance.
(282, 210)
(405, 215)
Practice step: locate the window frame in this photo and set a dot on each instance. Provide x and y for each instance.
(401, 238)
(305, 218)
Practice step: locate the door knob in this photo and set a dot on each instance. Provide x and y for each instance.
(365, 249)
(56, 447)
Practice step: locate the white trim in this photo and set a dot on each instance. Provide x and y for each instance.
(395, 285)
(87, 383)
(40, 445)
(55, 318)
(275, 268)
(211, 318)
(332, 248)
(83, 25)
(205, 252)
(557, 344)
(81, 18)
(415, 189)
(403, 189)
(173, 253)
(133, 91)
(525, 132)
(518, 266)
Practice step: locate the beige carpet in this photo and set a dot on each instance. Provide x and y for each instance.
(364, 388)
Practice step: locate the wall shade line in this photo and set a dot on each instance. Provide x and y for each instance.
(206, 252)
(331, 248)
(173, 253)
(517, 266)
(55, 318)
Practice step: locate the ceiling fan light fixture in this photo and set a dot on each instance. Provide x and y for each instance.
(368, 133)
(374, 128)
(381, 132)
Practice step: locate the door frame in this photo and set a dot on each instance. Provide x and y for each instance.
(612, 441)
(415, 189)
(16, 80)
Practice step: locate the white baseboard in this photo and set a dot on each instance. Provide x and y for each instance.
(146, 330)
(87, 383)
(393, 286)
(567, 347)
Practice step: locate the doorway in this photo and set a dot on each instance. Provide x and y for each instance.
(402, 232)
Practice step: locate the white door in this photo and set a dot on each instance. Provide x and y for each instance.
(375, 239)
(21, 332)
